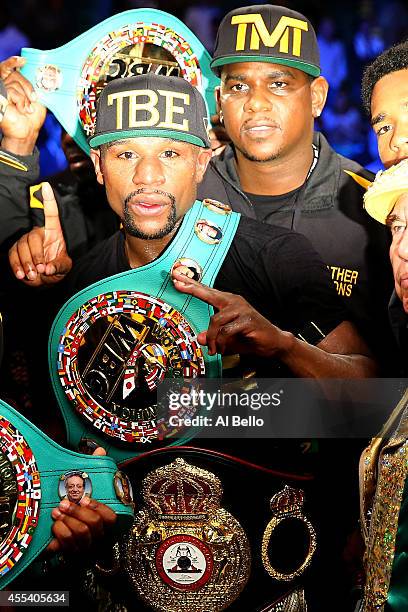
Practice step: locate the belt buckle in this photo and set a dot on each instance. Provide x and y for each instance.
(185, 552)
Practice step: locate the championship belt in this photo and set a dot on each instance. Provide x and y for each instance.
(191, 497)
(185, 552)
(114, 342)
(68, 79)
(35, 474)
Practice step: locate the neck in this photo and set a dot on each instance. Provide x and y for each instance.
(275, 177)
(140, 252)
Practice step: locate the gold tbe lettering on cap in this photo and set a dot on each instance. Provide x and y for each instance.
(259, 31)
(172, 109)
(151, 107)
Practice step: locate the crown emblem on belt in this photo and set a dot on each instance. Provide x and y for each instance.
(185, 552)
(179, 490)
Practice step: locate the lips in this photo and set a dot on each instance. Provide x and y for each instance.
(148, 204)
(403, 281)
(259, 126)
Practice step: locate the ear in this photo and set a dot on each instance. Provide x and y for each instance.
(217, 94)
(97, 162)
(319, 88)
(203, 158)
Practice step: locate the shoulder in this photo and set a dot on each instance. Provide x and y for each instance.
(261, 237)
(103, 260)
(266, 251)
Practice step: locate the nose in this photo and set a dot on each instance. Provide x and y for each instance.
(258, 99)
(148, 171)
(399, 140)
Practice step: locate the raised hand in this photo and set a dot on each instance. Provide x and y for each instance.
(40, 257)
(236, 327)
(24, 116)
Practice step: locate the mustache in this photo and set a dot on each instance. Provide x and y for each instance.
(137, 192)
(259, 120)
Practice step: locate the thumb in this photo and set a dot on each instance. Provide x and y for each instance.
(58, 267)
(10, 64)
(51, 212)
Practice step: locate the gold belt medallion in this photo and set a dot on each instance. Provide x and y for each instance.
(185, 553)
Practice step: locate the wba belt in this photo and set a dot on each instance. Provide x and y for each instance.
(35, 473)
(114, 342)
(197, 541)
(68, 79)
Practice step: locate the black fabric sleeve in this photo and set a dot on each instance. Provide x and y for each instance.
(17, 173)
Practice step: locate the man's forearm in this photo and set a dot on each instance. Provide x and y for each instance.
(342, 354)
(308, 361)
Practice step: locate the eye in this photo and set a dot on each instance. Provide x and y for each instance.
(239, 87)
(383, 130)
(169, 154)
(397, 227)
(127, 155)
(278, 85)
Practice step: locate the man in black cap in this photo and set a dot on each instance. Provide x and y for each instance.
(150, 150)
(278, 171)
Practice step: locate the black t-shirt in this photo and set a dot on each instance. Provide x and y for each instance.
(268, 207)
(277, 271)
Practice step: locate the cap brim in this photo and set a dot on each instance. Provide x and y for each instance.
(99, 139)
(236, 59)
(380, 205)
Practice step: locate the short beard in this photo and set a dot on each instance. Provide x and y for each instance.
(255, 158)
(137, 232)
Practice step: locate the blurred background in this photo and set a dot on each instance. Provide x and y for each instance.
(350, 33)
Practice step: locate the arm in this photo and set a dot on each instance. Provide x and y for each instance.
(40, 256)
(20, 125)
(239, 328)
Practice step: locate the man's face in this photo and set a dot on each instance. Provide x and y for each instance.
(75, 488)
(398, 221)
(268, 108)
(389, 116)
(206, 229)
(79, 162)
(150, 182)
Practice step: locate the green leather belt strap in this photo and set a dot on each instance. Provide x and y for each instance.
(67, 79)
(153, 279)
(30, 481)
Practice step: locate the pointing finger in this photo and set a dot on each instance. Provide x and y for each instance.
(51, 213)
(209, 295)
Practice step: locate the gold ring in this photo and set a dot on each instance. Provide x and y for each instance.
(284, 505)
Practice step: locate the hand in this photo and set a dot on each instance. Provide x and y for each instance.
(218, 136)
(40, 257)
(24, 116)
(80, 527)
(237, 327)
